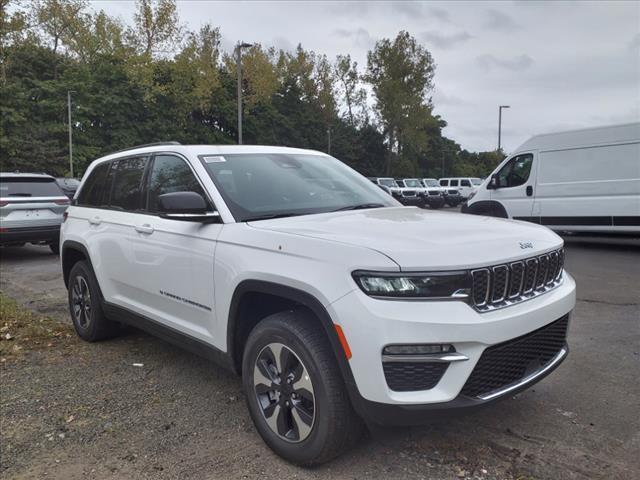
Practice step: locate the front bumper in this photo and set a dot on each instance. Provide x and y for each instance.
(370, 324)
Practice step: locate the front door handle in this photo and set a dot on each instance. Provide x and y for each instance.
(95, 220)
(529, 190)
(145, 228)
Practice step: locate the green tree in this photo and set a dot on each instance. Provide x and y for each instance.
(401, 75)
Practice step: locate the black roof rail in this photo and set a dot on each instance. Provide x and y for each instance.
(154, 144)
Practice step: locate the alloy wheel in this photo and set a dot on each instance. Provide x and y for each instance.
(284, 392)
(81, 301)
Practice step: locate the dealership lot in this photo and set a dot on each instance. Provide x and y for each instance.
(75, 409)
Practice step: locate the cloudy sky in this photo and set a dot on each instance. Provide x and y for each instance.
(559, 65)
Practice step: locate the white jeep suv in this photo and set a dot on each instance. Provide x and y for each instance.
(334, 303)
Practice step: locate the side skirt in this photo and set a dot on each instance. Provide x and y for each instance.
(171, 335)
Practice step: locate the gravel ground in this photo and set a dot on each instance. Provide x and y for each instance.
(75, 410)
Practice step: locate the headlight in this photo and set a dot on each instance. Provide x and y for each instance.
(443, 285)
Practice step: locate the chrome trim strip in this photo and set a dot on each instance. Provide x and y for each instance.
(496, 393)
(435, 358)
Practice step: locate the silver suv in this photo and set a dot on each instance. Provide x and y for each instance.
(31, 209)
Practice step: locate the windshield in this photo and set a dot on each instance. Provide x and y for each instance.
(412, 182)
(387, 182)
(257, 185)
(431, 182)
(475, 181)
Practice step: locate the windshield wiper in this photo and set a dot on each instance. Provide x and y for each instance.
(271, 216)
(360, 206)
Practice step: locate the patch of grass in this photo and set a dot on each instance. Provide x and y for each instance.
(22, 329)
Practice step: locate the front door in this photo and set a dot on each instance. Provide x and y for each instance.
(515, 187)
(173, 260)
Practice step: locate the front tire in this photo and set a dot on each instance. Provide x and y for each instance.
(295, 393)
(89, 320)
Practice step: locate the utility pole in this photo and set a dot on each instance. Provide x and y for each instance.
(500, 123)
(239, 48)
(69, 92)
(329, 140)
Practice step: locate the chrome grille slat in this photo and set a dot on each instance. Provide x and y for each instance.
(506, 284)
(517, 279)
(543, 269)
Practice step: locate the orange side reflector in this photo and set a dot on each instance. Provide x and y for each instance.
(343, 341)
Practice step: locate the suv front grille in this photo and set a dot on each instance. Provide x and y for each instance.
(409, 193)
(507, 363)
(503, 285)
(413, 376)
(434, 192)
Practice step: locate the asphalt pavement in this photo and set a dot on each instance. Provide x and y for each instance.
(179, 416)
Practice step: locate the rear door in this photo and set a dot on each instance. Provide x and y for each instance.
(516, 183)
(172, 261)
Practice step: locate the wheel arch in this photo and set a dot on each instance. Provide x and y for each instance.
(241, 322)
(491, 208)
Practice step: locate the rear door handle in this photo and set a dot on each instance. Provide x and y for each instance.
(145, 228)
(95, 220)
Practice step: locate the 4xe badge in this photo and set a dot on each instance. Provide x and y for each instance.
(524, 245)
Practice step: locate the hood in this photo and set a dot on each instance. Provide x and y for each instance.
(418, 239)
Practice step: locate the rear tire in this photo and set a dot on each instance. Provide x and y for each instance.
(55, 248)
(85, 305)
(298, 404)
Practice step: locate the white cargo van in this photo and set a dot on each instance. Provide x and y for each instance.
(581, 181)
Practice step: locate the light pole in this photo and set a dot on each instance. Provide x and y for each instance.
(500, 123)
(69, 92)
(239, 48)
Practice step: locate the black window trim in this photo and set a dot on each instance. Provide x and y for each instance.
(146, 177)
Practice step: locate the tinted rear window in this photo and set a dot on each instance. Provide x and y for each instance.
(29, 187)
(92, 193)
(127, 192)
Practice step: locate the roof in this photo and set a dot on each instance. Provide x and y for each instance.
(9, 175)
(583, 137)
(211, 150)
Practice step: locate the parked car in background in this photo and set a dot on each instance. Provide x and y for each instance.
(332, 302)
(465, 185)
(581, 181)
(68, 185)
(451, 196)
(31, 209)
(406, 196)
(432, 198)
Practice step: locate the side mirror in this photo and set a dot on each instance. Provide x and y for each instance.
(186, 206)
(494, 183)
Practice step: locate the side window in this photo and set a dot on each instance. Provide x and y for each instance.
(126, 192)
(93, 190)
(516, 171)
(454, 183)
(465, 183)
(444, 183)
(170, 174)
